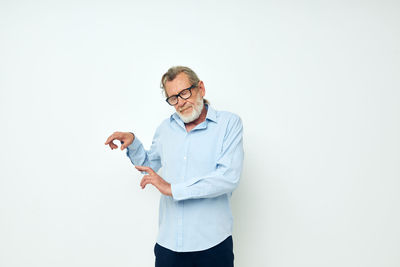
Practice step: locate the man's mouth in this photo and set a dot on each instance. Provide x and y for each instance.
(183, 109)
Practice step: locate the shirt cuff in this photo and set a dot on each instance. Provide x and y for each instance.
(134, 146)
(179, 192)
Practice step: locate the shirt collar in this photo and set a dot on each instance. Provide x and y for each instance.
(211, 114)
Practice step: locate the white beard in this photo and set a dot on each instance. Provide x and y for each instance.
(196, 111)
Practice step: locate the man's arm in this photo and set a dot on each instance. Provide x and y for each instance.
(135, 150)
(227, 174)
(141, 157)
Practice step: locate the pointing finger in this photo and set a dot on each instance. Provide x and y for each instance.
(146, 169)
(115, 135)
(110, 139)
(112, 145)
(145, 180)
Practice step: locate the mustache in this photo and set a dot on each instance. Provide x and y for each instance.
(185, 107)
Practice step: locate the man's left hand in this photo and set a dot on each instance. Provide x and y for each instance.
(153, 178)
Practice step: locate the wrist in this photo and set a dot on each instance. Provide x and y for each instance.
(169, 191)
(133, 135)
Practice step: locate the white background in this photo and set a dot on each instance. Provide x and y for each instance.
(316, 84)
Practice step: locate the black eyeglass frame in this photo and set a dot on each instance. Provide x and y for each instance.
(179, 95)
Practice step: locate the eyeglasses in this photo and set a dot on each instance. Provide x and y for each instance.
(184, 94)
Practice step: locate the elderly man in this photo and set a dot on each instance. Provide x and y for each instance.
(200, 151)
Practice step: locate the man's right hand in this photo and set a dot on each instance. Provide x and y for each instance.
(126, 139)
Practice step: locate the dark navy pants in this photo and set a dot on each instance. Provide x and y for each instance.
(221, 255)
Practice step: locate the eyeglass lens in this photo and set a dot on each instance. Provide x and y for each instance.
(185, 94)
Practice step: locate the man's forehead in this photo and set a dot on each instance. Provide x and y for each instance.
(180, 82)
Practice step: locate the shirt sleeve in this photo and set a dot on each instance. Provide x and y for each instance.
(225, 178)
(141, 157)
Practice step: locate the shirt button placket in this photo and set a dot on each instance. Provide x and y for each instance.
(182, 203)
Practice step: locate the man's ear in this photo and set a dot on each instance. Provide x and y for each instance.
(202, 88)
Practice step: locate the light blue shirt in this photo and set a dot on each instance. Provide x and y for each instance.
(203, 167)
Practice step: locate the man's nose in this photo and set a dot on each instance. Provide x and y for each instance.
(181, 102)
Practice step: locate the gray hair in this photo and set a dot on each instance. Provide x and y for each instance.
(174, 71)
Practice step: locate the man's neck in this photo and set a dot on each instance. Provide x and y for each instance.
(189, 126)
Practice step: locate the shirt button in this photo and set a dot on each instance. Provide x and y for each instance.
(184, 157)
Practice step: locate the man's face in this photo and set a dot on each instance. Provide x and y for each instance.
(188, 109)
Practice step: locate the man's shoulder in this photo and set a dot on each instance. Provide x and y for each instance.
(228, 116)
